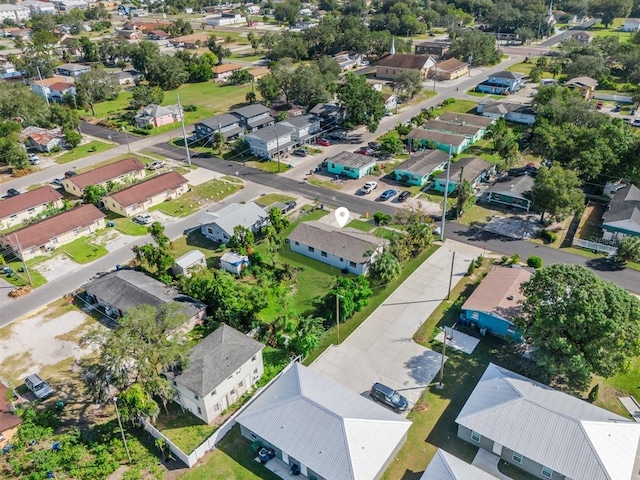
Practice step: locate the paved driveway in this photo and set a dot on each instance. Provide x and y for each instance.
(382, 348)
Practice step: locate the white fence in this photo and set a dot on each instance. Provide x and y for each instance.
(615, 98)
(598, 247)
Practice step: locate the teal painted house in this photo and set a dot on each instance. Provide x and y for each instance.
(353, 165)
(473, 169)
(495, 303)
(417, 169)
(623, 214)
(514, 192)
(421, 138)
(471, 132)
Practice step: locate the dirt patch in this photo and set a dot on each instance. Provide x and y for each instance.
(56, 267)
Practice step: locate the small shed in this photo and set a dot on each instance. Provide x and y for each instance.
(234, 262)
(188, 262)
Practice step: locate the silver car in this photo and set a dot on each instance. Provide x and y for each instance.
(39, 387)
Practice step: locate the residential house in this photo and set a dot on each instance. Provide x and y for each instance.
(222, 367)
(158, 35)
(444, 466)
(586, 86)
(435, 49)
(418, 168)
(472, 132)
(37, 6)
(191, 42)
(8, 70)
(218, 226)
(53, 232)
(28, 205)
(128, 77)
(631, 25)
(271, 141)
(42, 139)
(322, 427)
(514, 192)
(129, 34)
(146, 25)
(193, 259)
(68, 5)
(59, 90)
(421, 138)
(391, 65)
(347, 61)
(450, 69)
(547, 433)
(352, 165)
(502, 83)
(43, 87)
(225, 19)
(494, 305)
(305, 128)
(258, 72)
(222, 72)
(226, 123)
(72, 69)
(157, 115)
(583, 38)
(473, 169)
(23, 33)
(142, 196)
(466, 119)
(622, 216)
(129, 170)
(233, 262)
(329, 113)
(390, 102)
(512, 112)
(346, 249)
(254, 116)
(119, 291)
(16, 13)
(9, 420)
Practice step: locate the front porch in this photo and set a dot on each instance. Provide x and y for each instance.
(280, 468)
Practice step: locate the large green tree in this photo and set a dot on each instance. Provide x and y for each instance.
(629, 249)
(557, 191)
(477, 45)
(144, 95)
(166, 72)
(578, 324)
(363, 104)
(408, 83)
(385, 268)
(95, 86)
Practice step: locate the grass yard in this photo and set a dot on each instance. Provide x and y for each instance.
(183, 428)
(483, 149)
(621, 385)
(458, 106)
(197, 197)
(81, 251)
(614, 30)
(477, 215)
(196, 241)
(526, 68)
(270, 166)
(128, 227)
(331, 185)
(95, 146)
(271, 198)
(19, 278)
(362, 225)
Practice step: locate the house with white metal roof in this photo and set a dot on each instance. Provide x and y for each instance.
(327, 430)
(547, 433)
(191, 260)
(218, 226)
(445, 466)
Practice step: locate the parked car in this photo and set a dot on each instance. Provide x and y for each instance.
(290, 206)
(387, 194)
(388, 396)
(365, 151)
(599, 105)
(39, 387)
(143, 218)
(369, 187)
(636, 123)
(12, 192)
(157, 165)
(58, 181)
(374, 145)
(404, 196)
(300, 152)
(626, 120)
(383, 156)
(33, 159)
(323, 141)
(69, 174)
(616, 109)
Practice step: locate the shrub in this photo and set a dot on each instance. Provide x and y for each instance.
(548, 236)
(504, 259)
(534, 262)
(190, 108)
(472, 268)
(594, 392)
(515, 258)
(448, 101)
(479, 261)
(140, 131)
(381, 218)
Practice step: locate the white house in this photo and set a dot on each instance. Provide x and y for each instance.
(305, 128)
(631, 25)
(36, 6)
(345, 249)
(218, 226)
(271, 141)
(225, 19)
(187, 262)
(234, 262)
(222, 367)
(444, 466)
(17, 13)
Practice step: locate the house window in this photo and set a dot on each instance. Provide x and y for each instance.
(517, 457)
(199, 411)
(232, 392)
(13, 217)
(255, 371)
(76, 232)
(240, 385)
(210, 231)
(311, 249)
(341, 259)
(31, 210)
(175, 384)
(253, 359)
(196, 397)
(352, 264)
(213, 393)
(297, 243)
(230, 377)
(323, 254)
(475, 436)
(547, 472)
(475, 315)
(216, 407)
(54, 240)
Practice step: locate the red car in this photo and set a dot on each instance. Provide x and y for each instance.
(323, 141)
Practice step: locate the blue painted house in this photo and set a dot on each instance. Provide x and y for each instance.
(353, 165)
(502, 83)
(495, 303)
(623, 214)
(417, 169)
(421, 138)
(473, 169)
(472, 132)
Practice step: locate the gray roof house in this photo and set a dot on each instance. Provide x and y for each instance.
(445, 466)
(513, 192)
(547, 433)
(269, 142)
(417, 169)
(473, 169)
(222, 367)
(225, 123)
(121, 290)
(327, 430)
(218, 226)
(254, 116)
(305, 127)
(72, 69)
(623, 214)
(346, 249)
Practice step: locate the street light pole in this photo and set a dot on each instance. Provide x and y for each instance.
(124, 439)
(446, 194)
(127, 138)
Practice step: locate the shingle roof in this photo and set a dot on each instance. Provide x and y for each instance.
(142, 191)
(445, 466)
(251, 110)
(325, 109)
(300, 121)
(423, 163)
(271, 132)
(226, 67)
(259, 71)
(570, 436)
(499, 292)
(515, 186)
(8, 419)
(215, 357)
(440, 137)
(467, 118)
(61, 86)
(327, 427)
(507, 74)
(125, 289)
(27, 200)
(455, 128)
(352, 160)
(72, 67)
(220, 121)
(624, 207)
(451, 65)
(404, 60)
(582, 81)
(473, 168)
(41, 136)
(106, 173)
(350, 244)
(41, 233)
(154, 111)
(227, 218)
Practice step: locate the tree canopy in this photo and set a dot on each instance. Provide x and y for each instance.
(557, 192)
(364, 104)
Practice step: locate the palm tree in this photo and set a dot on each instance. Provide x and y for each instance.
(465, 193)
(385, 268)
(218, 142)
(250, 97)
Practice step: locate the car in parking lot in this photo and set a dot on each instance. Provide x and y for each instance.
(369, 187)
(39, 387)
(374, 145)
(388, 396)
(12, 192)
(290, 206)
(58, 181)
(404, 196)
(387, 194)
(323, 141)
(143, 218)
(383, 156)
(157, 165)
(300, 152)
(365, 151)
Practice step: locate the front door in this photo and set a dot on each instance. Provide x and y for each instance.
(497, 449)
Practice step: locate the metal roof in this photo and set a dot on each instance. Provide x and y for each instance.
(445, 466)
(468, 118)
(470, 167)
(624, 207)
(332, 430)
(271, 132)
(189, 258)
(570, 436)
(227, 218)
(423, 163)
(352, 160)
(250, 110)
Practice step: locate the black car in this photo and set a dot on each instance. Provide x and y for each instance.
(383, 156)
(300, 152)
(404, 195)
(69, 174)
(290, 206)
(388, 396)
(374, 145)
(12, 192)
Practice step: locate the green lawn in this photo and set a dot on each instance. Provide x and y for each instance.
(361, 225)
(19, 278)
(271, 198)
(196, 241)
(197, 197)
(129, 227)
(324, 183)
(183, 428)
(614, 30)
(85, 150)
(483, 149)
(270, 166)
(81, 251)
(458, 106)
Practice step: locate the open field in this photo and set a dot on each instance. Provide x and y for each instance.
(94, 146)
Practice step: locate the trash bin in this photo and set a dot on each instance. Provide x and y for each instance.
(111, 224)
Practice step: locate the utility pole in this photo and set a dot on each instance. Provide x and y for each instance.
(338, 316)
(124, 439)
(184, 132)
(278, 148)
(24, 264)
(46, 97)
(453, 259)
(446, 194)
(444, 351)
(126, 136)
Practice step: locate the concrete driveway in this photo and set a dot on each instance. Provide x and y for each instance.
(382, 348)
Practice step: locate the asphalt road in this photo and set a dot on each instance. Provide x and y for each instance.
(105, 133)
